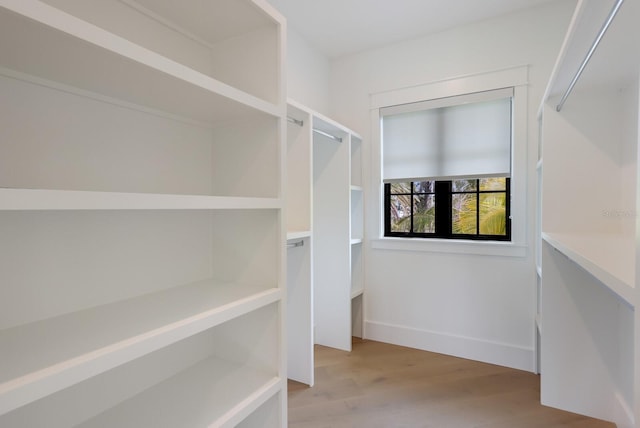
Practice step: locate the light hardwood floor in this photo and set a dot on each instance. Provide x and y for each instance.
(387, 386)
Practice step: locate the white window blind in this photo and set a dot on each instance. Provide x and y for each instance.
(462, 136)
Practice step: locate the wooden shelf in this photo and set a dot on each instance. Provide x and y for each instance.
(211, 393)
(34, 199)
(62, 48)
(609, 258)
(357, 292)
(299, 234)
(65, 350)
(214, 392)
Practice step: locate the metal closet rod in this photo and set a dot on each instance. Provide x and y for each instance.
(295, 244)
(317, 131)
(593, 48)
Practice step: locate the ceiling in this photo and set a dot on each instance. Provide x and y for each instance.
(341, 27)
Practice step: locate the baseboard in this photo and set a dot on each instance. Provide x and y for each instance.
(459, 346)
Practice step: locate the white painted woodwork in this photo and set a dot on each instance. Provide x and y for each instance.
(323, 212)
(300, 311)
(588, 175)
(357, 270)
(214, 378)
(300, 304)
(331, 234)
(84, 143)
(141, 213)
(299, 170)
(36, 199)
(357, 213)
(266, 416)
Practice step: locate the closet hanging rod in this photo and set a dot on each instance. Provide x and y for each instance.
(326, 134)
(295, 244)
(316, 130)
(593, 48)
(295, 121)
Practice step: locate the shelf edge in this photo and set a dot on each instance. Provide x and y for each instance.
(42, 382)
(41, 199)
(610, 280)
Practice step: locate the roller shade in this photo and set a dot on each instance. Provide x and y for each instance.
(463, 136)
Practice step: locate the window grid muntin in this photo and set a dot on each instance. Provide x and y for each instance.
(448, 207)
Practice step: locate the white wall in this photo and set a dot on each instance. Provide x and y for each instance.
(475, 306)
(307, 73)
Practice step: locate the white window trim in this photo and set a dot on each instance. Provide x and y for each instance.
(517, 78)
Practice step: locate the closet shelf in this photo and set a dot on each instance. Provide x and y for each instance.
(356, 188)
(609, 258)
(356, 241)
(46, 356)
(357, 292)
(298, 234)
(62, 48)
(211, 393)
(37, 199)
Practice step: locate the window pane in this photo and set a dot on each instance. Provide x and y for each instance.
(464, 213)
(424, 214)
(493, 214)
(400, 213)
(493, 183)
(464, 185)
(400, 188)
(424, 186)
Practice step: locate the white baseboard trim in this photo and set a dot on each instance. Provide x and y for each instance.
(516, 357)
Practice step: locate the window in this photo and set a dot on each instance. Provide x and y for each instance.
(454, 209)
(446, 167)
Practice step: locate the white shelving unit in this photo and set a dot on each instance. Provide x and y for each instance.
(300, 245)
(336, 197)
(356, 213)
(325, 200)
(588, 252)
(141, 183)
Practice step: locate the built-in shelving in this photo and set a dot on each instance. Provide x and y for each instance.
(356, 213)
(223, 377)
(300, 242)
(141, 209)
(337, 217)
(36, 199)
(225, 390)
(587, 251)
(608, 258)
(298, 235)
(98, 339)
(54, 43)
(325, 198)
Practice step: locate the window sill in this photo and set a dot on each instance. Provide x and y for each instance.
(484, 248)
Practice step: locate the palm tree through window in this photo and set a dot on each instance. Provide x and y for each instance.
(476, 208)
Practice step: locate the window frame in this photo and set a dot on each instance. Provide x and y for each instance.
(443, 194)
(516, 77)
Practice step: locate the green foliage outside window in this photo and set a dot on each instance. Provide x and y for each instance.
(476, 208)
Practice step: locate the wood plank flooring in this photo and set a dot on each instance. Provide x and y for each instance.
(387, 386)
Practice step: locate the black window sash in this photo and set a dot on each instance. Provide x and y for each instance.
(444, 214)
